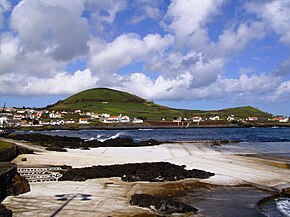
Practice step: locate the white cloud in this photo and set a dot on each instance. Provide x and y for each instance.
(61, 83)
(250, 89)
(275, 14)
(51, 26)
(15, 59)
(282, 92)
(146, 9)
(284, 68)
(233, 41)
(125, 49)
(188, 17)
(104, 12)
(203, 70)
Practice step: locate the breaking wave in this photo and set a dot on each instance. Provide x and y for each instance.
(283, 205)
(101, 138)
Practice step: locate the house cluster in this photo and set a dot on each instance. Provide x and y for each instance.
(19, 117)
(230, 118)
(15, 117)
(107, 118)
(27, 117)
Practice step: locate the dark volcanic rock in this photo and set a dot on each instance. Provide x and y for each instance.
(120, 142)
(22, 150)
(4, 212)
(161, 205)
(19, 185)
(58, 143)
(150, 142)
(153, 172)
(54, 148)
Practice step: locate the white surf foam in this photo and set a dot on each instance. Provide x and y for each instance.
(283, 205)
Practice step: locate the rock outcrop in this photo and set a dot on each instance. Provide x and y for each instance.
(4, 212)
(18, 185)
(59, 143)
(153, 172)
(161, 205)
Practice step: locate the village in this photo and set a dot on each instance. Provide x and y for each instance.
(27, 117)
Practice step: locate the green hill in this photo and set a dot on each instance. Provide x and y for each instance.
(104, 100)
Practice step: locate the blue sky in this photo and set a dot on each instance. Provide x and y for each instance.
(193, 54)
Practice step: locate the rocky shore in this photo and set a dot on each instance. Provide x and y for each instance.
(4, 212)
(152, 172)
(59, 143)
(162, 206)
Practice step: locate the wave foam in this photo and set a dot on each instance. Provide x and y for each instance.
(283, 205)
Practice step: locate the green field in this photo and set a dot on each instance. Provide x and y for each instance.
(5, 145)
(113, 102)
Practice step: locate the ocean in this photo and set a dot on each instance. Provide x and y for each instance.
(275, 141)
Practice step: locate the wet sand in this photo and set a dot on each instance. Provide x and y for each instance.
(111, 196)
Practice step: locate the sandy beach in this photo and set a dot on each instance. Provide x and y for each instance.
(111, 196)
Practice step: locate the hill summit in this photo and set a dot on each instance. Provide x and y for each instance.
(102, 95)
(114, 102)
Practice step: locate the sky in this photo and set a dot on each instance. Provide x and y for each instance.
(193, 54)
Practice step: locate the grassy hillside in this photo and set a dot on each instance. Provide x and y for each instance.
(103, 100)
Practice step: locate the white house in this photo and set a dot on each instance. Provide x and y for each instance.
(111, 120)
(125, 119)
(215, 118)
(284, 120)
(84, 121)
(55, 115)
(69, 122)
(196, 119)
(137, 121)
(95, 116)
(231, 118)
(179, 119)
(252, 118)
(2, 121)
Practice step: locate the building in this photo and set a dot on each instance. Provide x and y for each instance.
(55, 115)
(214, 118)
(177, 120)
(280, 119)
(84, 121)
(137, 121)
(196, 119)
(252, 119)
(125, 119)
(231, 118)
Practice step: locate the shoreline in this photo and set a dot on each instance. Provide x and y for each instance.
(137, 127)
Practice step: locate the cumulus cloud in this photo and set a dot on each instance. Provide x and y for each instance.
(284, 68)
(14, 58)
(104, 13)
(232, 40)
(125, 49)
(246, 88)
(61, 83)
(187, 19)
(146, 9)
(51, 26)
(275, 14)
